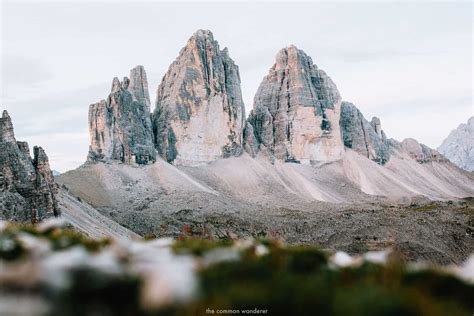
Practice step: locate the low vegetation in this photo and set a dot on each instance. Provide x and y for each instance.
(231, 277)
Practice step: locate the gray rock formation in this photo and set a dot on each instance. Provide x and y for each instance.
(120, 127)
(251, 145)
(366, 138)
(458, 147)
(27, 189)
(295, 116)
(419, 152)
(199, 114)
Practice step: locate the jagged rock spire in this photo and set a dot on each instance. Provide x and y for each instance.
(6, 128)
(138, 85)
(199, 114)
(120, 127)
(27, 189)
(368, 139)
(296, 110)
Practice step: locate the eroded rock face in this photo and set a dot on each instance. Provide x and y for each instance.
(420, 152)
(366, 138)
(296, 111)
(199, 114)
(120, 127)
(458, 147)
(27, 189)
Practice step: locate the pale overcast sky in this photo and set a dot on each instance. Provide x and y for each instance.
(409, 63)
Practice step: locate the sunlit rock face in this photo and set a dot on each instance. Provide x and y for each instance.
(27, 189)
(199, 114)
(458, 147)
(368, 139)
(120, 127)
(296, 111)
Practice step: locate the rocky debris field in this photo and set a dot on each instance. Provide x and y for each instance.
(437, 232)
(49, 269)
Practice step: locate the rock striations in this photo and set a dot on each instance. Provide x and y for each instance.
(199, 114)
(120, 127)
(458, 147)
(27, 189)
(296, 111)
(298, 115)
(368, 139)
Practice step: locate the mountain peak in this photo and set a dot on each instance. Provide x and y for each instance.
(296, 110)
(5, 114)
(294, 57)
(458, 147)
(6, 128)
(203, 34)
(138, 85)
(470, 121)
(199, 113)
(120, 126)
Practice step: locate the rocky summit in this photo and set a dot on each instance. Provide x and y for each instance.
(199, 114)
(419, 152)
(27, 189)
(368, 139)
(197, 166)
(120, 127)
(458, 147)
(296, 111)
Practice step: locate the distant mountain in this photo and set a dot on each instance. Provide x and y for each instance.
(56, 173)
(458, 147)
(196, 165)
(301, 144)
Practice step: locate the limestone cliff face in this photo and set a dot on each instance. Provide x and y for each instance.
(458, 147)
(368, 139)
(296, 111)
(27, 189)
(199, 114)
(120, 127)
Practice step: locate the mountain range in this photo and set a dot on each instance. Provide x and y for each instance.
(198, 159)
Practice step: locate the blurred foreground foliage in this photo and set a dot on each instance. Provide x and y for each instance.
(299, 280)
(285, 280)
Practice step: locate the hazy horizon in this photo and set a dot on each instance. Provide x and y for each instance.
(410, 64)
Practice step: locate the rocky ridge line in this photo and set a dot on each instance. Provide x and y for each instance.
(366, 138)
(27, 189)
(298, 115)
